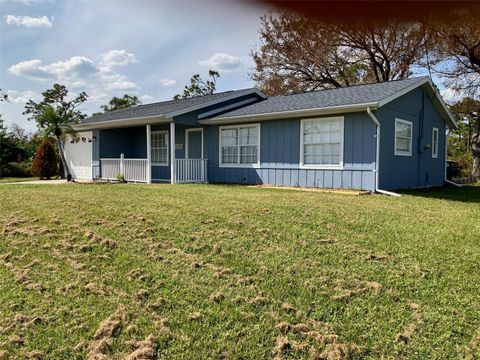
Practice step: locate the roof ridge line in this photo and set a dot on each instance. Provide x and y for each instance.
(352, 86)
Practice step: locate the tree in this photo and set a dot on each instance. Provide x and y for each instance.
(55, 117)
(456, 51)
(466, 139)
(45, 162)
(3, 97)
(299, 54)
(17, 149)
(199, 87)
(124, 102)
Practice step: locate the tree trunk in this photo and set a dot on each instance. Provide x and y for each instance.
(476, 151)
(66, 171)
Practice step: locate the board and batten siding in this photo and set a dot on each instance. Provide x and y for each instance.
(280, 157)
(420, 169)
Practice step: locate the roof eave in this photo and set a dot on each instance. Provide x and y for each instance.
(155, 119)
(167, 117)
(292, 113)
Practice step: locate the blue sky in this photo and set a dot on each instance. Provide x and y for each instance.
(111, 47)
(108, 48)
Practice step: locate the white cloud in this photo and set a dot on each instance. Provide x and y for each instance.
(116, 58)
(79, 66)
(221, 61)
(28, 21)
(79, 73)
(26, 2)
(21, 97)
(168, 82)
(122, 85)
(146, 98)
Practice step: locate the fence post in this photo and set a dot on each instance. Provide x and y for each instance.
(121, 164)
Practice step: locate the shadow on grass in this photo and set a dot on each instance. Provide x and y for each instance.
(467, 193)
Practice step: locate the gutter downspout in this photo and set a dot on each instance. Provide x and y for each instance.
(377, 156)
(445, 172)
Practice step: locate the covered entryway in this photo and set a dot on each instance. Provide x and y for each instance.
(192, 169)
(78, 154)
(194, 143)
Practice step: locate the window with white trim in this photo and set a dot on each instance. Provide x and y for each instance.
(403, 137)
(240, 145)
(159, 147)
(322, 142)
(435, 142)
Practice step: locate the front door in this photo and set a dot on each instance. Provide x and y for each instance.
(194, 143)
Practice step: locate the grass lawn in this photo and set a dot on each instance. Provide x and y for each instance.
(17, 179)
(202, 271)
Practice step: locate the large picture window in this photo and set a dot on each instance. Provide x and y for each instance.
(240, 145)
(322, 142)
(403, 137)
(435, 143)
(159, 148)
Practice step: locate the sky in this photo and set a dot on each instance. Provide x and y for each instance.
(108, 48)
(147, 48)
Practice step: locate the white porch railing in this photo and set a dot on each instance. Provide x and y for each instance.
(190, 171)
(131, 169)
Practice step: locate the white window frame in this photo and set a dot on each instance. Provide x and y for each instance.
(400, 152)
(167, 145)
(342, 139)
(435, 145)
(238, 164)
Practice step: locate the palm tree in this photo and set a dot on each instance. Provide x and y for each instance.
(55, 117)
(58, 124)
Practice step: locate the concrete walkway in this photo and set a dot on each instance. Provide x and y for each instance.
(32, 182)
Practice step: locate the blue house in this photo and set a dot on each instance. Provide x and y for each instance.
(375, 137)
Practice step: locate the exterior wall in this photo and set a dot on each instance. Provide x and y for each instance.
(159, 172)
(280, 150)
(162, 173)
(131, 141)
(420, 169)
(280, 157)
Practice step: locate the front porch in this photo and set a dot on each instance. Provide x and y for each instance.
(170, 153)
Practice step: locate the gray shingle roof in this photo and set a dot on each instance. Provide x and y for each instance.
(160, 108)
(360, 94)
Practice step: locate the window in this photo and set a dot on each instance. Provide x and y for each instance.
(240, 145)
(435, 143)
(159, 148)
(322, 142)
(403, 137)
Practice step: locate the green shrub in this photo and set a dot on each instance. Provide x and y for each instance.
(121, 178)
(16, 169)
(45, 162)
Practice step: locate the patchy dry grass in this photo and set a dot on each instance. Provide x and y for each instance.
(142, 272)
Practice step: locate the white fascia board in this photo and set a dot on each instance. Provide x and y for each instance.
(235, 95)
(292, 113)
(123, 123)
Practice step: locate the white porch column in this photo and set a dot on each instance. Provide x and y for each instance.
(149, 155)
(172, 152)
